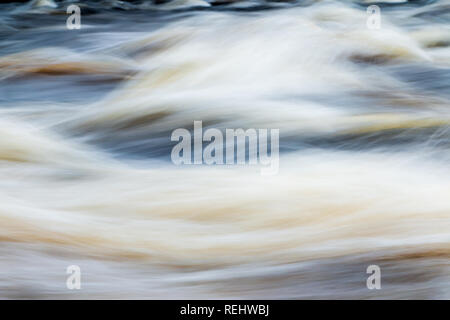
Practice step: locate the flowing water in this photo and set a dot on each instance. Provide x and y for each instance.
(85, 171)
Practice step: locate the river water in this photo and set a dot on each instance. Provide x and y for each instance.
(85, 171)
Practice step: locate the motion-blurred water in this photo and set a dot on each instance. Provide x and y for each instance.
(85, 171)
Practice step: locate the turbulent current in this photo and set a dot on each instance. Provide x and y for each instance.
(86, 176)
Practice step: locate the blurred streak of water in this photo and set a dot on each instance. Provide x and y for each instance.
(85, 176)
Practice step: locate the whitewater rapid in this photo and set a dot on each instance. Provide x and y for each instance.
(85, 171)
